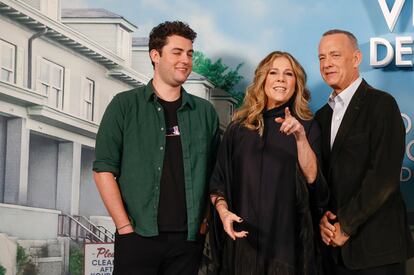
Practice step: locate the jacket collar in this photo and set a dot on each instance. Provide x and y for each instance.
(350, 115)
(150, 95)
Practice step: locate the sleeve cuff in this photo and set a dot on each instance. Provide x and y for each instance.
(99, 166)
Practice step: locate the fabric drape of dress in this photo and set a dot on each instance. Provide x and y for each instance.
(260, 178)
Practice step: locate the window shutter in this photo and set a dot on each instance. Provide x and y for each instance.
(20, 67)
(96, 114)
(66, 90)
(36, 74)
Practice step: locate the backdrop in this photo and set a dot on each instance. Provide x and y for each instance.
(244, 31)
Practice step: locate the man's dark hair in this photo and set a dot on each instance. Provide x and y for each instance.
(350, 36)
(159, 34)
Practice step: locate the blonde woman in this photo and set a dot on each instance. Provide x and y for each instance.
(267, 173)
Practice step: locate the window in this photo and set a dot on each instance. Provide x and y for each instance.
(231, 110)
(7, 61)
(50, 82)
(88, 98)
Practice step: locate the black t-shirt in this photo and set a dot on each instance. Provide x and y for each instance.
(172, 211)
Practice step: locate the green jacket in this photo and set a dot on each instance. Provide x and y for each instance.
(130, 144)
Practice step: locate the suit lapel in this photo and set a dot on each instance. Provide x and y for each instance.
(326, 131)
(350, 115)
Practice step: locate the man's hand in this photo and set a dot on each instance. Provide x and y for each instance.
(340, 236)
(327, 230)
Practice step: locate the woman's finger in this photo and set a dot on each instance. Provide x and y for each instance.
(279, 120)
(287, 126)
(295, 128)
(287, 113)
(240, 234)
(229, 224)
(229, 230)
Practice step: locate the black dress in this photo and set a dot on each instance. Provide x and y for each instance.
(261, 181)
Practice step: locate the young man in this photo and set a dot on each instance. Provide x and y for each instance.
(155, 150)
(363, 141)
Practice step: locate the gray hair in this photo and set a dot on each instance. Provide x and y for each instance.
(351, 36)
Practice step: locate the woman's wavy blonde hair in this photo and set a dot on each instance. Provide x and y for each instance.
(250, 114)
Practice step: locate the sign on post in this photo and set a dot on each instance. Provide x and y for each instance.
(99, 258)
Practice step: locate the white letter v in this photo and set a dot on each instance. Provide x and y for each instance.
(391, 17)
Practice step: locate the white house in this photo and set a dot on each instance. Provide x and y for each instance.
(58, 71)
(56, 80)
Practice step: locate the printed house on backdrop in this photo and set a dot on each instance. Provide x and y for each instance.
(58, 71)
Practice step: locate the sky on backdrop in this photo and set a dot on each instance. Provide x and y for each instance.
(245, 31)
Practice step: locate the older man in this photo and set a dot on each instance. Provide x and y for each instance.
(363, 141)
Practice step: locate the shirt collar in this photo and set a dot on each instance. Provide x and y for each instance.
(150, 95)
(345, 96)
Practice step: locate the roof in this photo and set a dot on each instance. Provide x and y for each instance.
(75, 15)
(140, 41)
(196, 76)
(38, 22)
(220, 92)
(89, 13)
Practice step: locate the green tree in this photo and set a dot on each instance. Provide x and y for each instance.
(2, 270)
(218, 73)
